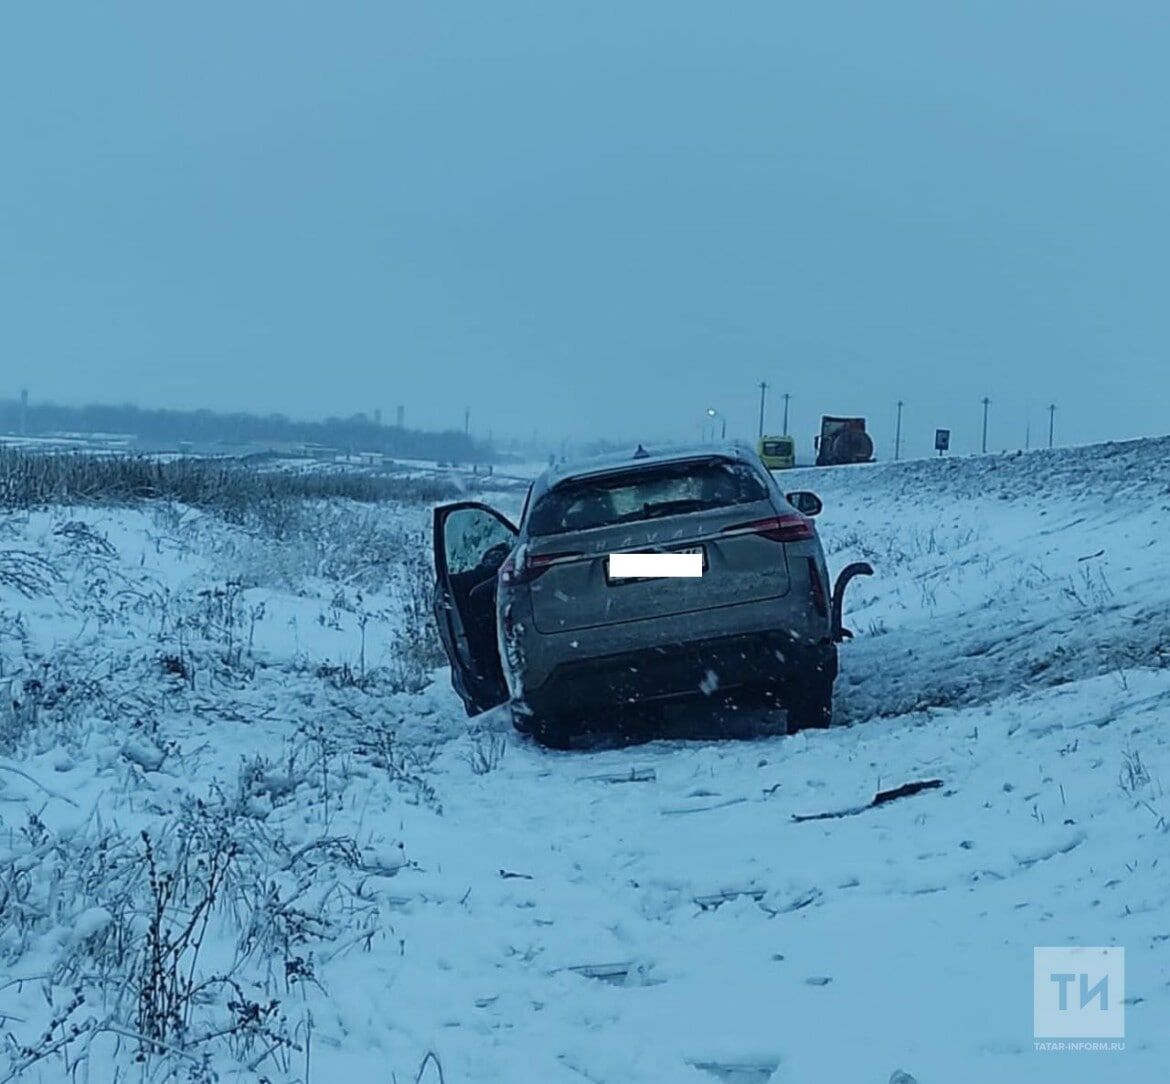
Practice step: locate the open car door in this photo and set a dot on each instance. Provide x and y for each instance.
(471, 541)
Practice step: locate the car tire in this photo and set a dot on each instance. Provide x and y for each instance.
(751, 716)
(553, 733)
(773, 723)
(522, 719)
(810, 702)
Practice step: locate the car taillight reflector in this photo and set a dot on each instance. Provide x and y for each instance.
(788, 528)
(530, 566)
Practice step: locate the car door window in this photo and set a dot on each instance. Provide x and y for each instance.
(474, 537)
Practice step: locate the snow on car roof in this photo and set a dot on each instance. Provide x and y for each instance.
(642, 456)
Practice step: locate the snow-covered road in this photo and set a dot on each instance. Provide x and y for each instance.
(666, 912)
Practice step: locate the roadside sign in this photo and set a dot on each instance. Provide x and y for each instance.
(942, 440)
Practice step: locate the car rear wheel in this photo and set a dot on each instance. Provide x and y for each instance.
(751, 716)
(772, 722)
(522, 718)
(552, 733)
(810, 702)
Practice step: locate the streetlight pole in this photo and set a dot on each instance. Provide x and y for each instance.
(712, 413)
(763, 392)
(986, 404)
(1051, 421)
(898, 434)
(786, 398)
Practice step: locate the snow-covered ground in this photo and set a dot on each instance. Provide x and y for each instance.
(236, 798)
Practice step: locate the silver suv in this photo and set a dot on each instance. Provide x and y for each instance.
(535, 616)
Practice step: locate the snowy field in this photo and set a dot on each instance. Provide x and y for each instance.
(247, 833)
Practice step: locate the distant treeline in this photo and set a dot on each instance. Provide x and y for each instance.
(168, 428)
(227, 486)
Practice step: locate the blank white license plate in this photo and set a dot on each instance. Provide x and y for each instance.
(677, 564)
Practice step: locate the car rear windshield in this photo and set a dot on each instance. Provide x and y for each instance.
(667, 489)
(777, 447)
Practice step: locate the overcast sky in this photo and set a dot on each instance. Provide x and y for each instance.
(594, 218)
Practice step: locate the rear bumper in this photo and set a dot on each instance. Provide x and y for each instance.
(702, 668)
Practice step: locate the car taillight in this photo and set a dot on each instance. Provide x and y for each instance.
(788, 528)
(522, 567)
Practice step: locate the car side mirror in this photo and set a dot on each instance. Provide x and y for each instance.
(806, 503)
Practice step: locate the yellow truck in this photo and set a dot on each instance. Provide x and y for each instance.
(778, 453)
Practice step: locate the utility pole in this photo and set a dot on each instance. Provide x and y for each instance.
(1028, 431)
(466, 420)
(986, 404)
(763, 392)
(786, 398)
(1051, 421)
(898, 434)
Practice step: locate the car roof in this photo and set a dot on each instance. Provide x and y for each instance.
(640, 456)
